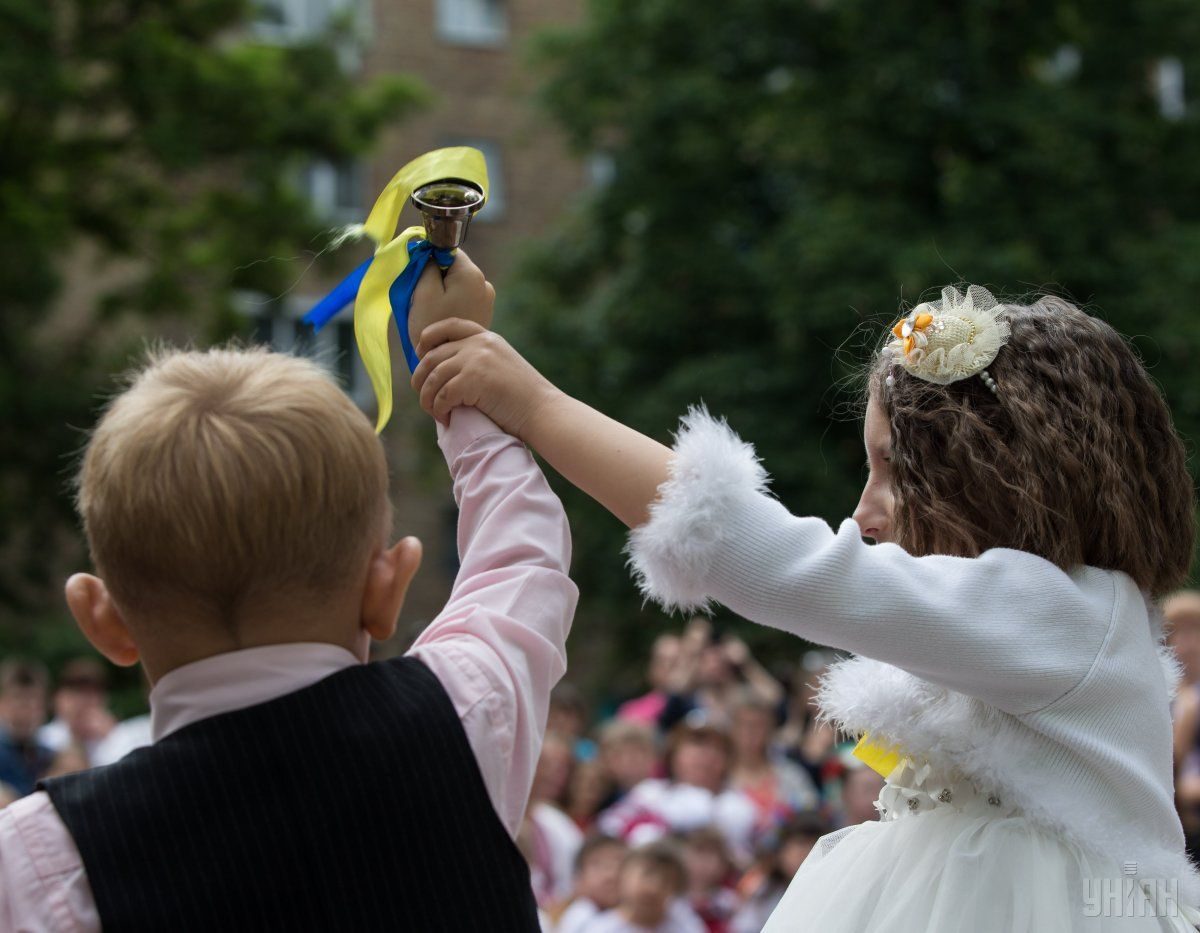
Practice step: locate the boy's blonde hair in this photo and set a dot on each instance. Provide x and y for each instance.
(229, 474)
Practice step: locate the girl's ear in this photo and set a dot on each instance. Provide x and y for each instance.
(388, 578)
(100, 620)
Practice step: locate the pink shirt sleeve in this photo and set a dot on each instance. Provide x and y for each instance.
(43, 888)
(500, 643)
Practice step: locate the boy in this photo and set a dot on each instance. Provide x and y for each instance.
(236, 507)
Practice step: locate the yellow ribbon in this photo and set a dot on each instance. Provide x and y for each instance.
(878, 758)
(372, 307)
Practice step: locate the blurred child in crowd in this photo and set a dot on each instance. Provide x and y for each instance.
(629, 752)
(81, 714)
(694, 794)
(555, 839)
(652, 883)
(763, 886)
(646, 709)
(779, 788)
(597, 882)
(710, 872)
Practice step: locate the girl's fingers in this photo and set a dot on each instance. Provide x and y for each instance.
(434, 357)
(449, 397)
(444, 331)
(439, 375)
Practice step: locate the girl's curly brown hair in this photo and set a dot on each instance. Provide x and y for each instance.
(1074, 459)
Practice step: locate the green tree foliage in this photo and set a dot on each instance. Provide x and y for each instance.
(148, 152)
(785, 171)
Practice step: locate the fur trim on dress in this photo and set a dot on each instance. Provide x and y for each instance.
(671, 553)
(989, 747)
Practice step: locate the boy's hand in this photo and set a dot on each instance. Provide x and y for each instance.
(462, 292)
(464, 364)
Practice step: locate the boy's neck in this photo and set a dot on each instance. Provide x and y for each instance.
(187, 640)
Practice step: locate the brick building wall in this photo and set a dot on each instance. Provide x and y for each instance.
(472, 54)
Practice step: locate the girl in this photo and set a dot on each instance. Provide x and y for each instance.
(1027, 498)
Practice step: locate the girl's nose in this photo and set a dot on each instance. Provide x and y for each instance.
(870, 520)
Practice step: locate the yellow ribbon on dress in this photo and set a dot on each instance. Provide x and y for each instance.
(882, 759)
(373, 307)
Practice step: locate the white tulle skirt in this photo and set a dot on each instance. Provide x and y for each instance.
(946, 857)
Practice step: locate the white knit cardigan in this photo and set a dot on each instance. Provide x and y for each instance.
(1051, 688)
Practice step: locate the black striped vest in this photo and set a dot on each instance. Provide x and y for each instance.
(354, 804)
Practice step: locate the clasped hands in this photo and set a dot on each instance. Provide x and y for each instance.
(464, 363)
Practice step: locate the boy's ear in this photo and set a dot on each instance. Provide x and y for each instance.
(388, 577)
(100, 620)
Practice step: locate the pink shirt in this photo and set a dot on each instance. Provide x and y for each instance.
(497, 647)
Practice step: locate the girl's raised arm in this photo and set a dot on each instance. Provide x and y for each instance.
(463, 364)
(1008, 627)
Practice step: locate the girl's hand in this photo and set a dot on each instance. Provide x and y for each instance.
(464, 364)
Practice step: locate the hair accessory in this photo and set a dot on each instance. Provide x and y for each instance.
(951, 339)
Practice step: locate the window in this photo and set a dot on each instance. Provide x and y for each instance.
(288, 21)
(335, 190)
(496, 204)
(1168, 88)
(601, 169)
(277, 324)
(481, 23)
(1062, 66)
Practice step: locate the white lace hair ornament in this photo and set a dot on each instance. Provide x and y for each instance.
(952, 339)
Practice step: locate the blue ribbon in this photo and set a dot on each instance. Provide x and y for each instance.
(400, 294)
(343, 293)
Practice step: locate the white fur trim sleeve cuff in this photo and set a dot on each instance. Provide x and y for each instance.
(671, 554)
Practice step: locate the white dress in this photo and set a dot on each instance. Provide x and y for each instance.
(1049, 689)
(947, 856)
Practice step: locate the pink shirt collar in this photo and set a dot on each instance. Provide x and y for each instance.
(239, 679)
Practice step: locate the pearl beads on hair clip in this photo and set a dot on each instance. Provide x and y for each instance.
(989, 382)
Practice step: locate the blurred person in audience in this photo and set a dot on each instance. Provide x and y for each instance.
(68, 760)
(555, 838)
(779, 788)
(652, 884)
(860, 790)
(81, 714)
(694, 794)
(597, 882)
(710, 875)
(1181, 612)
(569, 718)
(629, 753)
(8, 794)
(646, 709)
(127, 735)
(24, 686)
(764, 884)
(590, 791)
(712, 668)
(804, 737)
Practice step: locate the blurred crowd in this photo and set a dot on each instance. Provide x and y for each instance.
(691, 807)
(688, 809)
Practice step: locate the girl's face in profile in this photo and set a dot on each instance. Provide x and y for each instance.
(874, 512)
